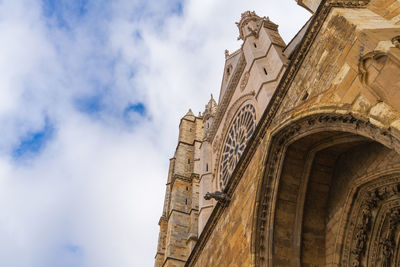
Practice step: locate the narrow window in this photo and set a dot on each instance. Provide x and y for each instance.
(187, 188)
(206, 167)
(186, 201)
(265, 71)
(188, 161)
(255, 45)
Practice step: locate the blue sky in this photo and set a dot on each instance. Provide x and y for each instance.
(91, 96)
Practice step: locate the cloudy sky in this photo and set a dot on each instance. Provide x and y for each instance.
(91, 93)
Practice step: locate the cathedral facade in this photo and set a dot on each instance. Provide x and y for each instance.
(297, 163)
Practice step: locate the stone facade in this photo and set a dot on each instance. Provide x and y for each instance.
(301, 152)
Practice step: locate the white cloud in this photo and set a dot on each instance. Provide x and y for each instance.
(94, 193)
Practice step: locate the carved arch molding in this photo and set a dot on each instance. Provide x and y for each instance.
(292, 225)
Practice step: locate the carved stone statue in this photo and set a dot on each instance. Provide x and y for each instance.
(217, 195)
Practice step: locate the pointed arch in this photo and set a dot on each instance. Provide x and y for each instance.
(293, 196)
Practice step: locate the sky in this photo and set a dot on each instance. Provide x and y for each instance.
(91, 94)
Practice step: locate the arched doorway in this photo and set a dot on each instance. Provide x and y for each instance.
(330, 196)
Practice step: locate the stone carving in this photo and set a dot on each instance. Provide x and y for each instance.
(347, 3)
(365, 242)
(264, 124)
(257, 22)
(396, 41)
(275, 152)
(363, 228)
(362, 69)
(269, 24)
(388, 244)
(229, 117)
(385, 84)
(218, 196)
(240, 132)
(244, 81)
(244, 21)
(226, 53)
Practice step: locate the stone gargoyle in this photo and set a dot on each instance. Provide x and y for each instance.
(218, 196)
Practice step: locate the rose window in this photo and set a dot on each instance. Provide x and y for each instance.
(240, 132)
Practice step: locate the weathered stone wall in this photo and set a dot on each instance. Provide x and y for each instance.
(178, 223)
(229, 243)
(350, 72)
(330, 74)
(329, 81)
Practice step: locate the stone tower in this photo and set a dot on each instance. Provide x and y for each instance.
(178, 223)
(250, 78)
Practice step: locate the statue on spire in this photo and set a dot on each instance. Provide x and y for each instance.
(250, 24)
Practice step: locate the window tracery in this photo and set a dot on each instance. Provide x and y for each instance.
(240, 132)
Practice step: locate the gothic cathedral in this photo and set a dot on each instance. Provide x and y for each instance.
(298, 162)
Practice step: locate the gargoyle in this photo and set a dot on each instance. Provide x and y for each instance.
(218, 196)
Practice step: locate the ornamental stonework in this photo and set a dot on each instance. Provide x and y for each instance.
(239, 134)
(314, 178)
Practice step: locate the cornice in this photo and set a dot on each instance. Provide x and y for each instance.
(234, 53)
(172, 258)
(188, 144)
(269, 113)
(180, 177)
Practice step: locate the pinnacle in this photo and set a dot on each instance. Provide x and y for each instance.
(189, 113)
(250, 22)
(212, 100)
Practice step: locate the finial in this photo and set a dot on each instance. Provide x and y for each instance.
(269, 24)
(212, 96)
(243, 26)
(226, 53)
(189, 113)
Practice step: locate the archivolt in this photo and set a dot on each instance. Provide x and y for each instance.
(281, 139)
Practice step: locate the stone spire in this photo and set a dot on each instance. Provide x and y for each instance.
(211, 108)
(189, 115)
(209, 114)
